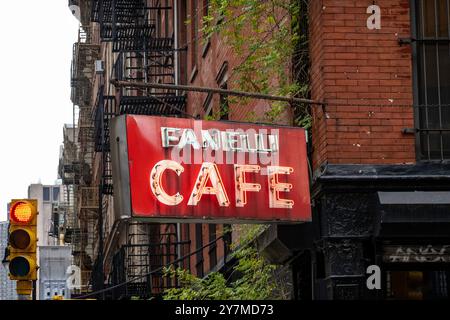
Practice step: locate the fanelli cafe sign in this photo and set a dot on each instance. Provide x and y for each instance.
(169, 169)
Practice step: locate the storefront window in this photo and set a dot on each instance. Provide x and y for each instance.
(432, 47)
(417, 285)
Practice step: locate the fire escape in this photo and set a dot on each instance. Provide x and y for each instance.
(81, 224)
(149, 247)
(142, 45)
(69, 171)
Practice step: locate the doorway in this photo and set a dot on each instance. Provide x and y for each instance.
(417, 284)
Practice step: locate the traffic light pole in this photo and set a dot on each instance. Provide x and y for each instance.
(24, 289)
(34, 290)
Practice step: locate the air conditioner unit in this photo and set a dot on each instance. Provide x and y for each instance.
(99, 66)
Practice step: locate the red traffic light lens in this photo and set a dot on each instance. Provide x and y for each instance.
(21, 212)
(19, 239)
(19, 267)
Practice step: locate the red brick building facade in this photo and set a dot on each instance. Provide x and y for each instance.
(380, 142)
(366, 79)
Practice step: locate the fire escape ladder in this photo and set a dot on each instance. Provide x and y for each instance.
(142, 258)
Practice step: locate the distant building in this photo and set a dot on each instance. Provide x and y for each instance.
(7, 287)
(48, 197)
(50, 202)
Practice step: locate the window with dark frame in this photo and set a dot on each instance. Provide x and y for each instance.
(432, 94)
(208, 105)
(46, 194)
(222, 82)
(213, 247)
(167, 19)
(223, 103)
(207, 44)
(183, 40)
(226, 239)
(194, 38)
(205, 7)
(186, 263)
(198, 245)
(56, 194)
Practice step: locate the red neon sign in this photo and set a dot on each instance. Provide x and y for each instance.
(222, 171)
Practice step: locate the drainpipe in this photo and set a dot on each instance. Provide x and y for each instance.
(176, 40)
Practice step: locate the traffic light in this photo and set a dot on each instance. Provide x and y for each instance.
(22, 240)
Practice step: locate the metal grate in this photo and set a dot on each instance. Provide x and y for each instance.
(148, 44)
(119, 11)
(107, 183)
(163, 105)
(126, 33)
(130, 24)
(104, 112)
(150, 66)
(432, 48)
(148, 249)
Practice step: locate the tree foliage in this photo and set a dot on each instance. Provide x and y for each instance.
(269, 38)
(252, 278)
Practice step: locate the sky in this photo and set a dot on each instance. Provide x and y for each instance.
(36, 39)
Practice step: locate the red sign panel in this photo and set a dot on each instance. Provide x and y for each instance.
(223, 171)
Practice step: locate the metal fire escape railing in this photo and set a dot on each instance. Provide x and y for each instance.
(88, 216)
(144, 51)
(147, 249)
(81, 198)
(82, 69)
(105, 110)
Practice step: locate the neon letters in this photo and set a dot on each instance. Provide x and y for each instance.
(209, 182)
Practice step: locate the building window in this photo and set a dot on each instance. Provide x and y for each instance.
(227, 239)
(166, 20)
(208, 105)
(205, 7)
(213, 248)
(182, 42)
(198, 245)
(207, 43)
(222, 82)
(46, 194)
(432, 65)
(194, 39)
(417, 285)
(56, 194)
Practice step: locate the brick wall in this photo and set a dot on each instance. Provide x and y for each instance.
(209, 62)
(365, 77)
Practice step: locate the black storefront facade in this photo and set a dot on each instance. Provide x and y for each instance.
(396, 217)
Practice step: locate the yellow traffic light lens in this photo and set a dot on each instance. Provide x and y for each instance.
(19, 239)
(22, 212)
(19, 267)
